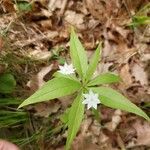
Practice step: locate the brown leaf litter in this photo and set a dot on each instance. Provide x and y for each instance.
(125, 52)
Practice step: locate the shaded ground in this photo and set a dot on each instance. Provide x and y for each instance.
(34, 41)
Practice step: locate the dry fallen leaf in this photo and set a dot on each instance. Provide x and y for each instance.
(96, 128)
(54, 4)
(103, 68)
(143, 133)
(84, 142)
(125, 76)
(66, 100)
(85, 139)
(139, 74)
(85, 125)
(46, 13)
(116, 119)
(145, 57)
(38, 80)
(46, 24)
(76, 19)
(97, 9)
(8, 6)
(46, 109)
(40, 55)
(108, 49)
(105, 142)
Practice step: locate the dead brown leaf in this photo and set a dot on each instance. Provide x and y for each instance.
(125, 76)
(96, 128)
(38, 80)
(102, 9)
(143, 133)
(46, 24)
(116, 119)
(82, 143)
(8, 6)
(66, 100)
(139, 73)
(39, 55)
(76, 19)
(46, 109)
(54, 4)
(103, 68)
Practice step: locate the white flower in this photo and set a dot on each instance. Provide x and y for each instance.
(91, 99)
(66, 69)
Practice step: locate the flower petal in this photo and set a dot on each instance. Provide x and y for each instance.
(91, 99)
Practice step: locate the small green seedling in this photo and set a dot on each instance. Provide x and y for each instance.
(88, 89)
(139, 20)
(141, 17)
(23, 6)
(7, 83)
(9, 117)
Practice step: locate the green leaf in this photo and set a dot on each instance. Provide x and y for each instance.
(7, 83)
(75, 119)
(54, 88)
(114, 99)
(71, 77)
(65, 116)
(93, 63)
(146, 105)
(139, 20)
(9, 101)
(105, 78)
(10, 118)
(78, 55)
(24, 6)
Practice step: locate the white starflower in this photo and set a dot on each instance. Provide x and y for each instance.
(66, 69)
(91, 99)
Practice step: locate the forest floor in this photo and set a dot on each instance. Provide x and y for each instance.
(34, 41)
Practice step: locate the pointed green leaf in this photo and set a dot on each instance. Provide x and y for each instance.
(78, 55)
(65, 116)
(7, 83)
(75, 117)
(114, 99)
(70, 76)
(93, 63)
(54, 88)
(105, 78)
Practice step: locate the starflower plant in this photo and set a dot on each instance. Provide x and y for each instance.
(78, 79)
